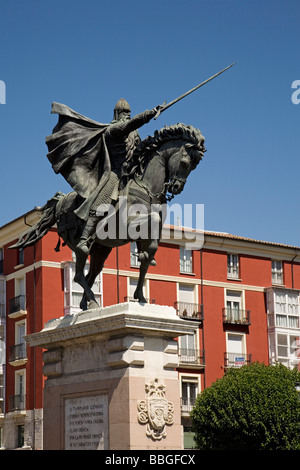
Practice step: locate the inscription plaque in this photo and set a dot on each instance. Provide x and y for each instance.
(86, 423)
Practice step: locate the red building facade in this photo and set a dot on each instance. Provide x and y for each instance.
(242, 295)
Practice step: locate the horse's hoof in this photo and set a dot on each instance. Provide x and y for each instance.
(92, 304)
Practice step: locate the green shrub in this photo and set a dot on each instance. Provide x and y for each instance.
(254, 407)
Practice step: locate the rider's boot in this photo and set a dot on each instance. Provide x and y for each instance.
(87, 234)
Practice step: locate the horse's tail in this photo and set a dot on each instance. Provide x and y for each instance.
(37, 231)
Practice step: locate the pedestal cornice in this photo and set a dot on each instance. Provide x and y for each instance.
(129, 317)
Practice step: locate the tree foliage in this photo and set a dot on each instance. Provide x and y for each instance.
(255, 407)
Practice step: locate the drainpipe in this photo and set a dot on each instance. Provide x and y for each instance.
(118, 279)
(292, 262)
(201, 274)
(34, 349)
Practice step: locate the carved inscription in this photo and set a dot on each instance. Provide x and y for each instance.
(86, 423)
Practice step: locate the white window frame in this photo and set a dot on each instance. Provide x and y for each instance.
(73, 290)
(190, 379)
(134, 262)
(233, 356)
(287, 314)
(186, 260)
(292, 347)
(130, 287)
(277, 272)
(20, 386)
(240, 300)
(283, 310)
(233, 266)
(18, 325)
(189, 354)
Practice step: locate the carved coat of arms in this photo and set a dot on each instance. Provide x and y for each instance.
(155, 411)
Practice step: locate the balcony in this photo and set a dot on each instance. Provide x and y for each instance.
(189, 311)
(191, 358)
(236, 316)
(17, 354)
(187, 405)
(16, 403)
(236, 359)
(17, 306)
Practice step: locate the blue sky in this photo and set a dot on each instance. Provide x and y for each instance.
(88, 54)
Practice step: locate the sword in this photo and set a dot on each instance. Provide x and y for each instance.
(166, 106)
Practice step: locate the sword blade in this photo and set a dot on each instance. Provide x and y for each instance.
(166, 106)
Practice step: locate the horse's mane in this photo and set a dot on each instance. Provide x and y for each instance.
(147, 147)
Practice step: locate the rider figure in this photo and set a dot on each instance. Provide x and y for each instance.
(121, 138)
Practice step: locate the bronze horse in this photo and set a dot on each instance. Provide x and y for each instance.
(161, 166)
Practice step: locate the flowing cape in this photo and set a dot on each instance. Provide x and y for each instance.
(77, 151)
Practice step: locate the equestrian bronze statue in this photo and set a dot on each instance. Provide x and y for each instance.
(120, 183)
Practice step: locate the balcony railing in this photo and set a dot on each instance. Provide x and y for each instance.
(236, 359)
(236, 316)
(17, 352)
(191, 356)
(189, 310)
(17, 304)
(16, 402)
(187, 404)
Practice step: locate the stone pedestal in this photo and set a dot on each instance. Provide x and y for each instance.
(111, 378)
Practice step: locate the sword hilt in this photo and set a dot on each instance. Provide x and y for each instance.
(160, 110)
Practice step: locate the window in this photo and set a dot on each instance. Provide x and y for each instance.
(287, 309)
(187, 306)
(235, 355)
(134, 262)
(233, 266)
(188, 352)
(19, 399)
(20, 343)
(186, 261)
(234, 311)
(21, 256)
(20, 442)
(74, 292)
(283, 326)
(288, 349)
(189, 391)
(131, 287)
(18, 351)
(277, 272)
(233, 305)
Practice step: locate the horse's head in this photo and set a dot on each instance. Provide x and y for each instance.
(184, 158)
(179, 148)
